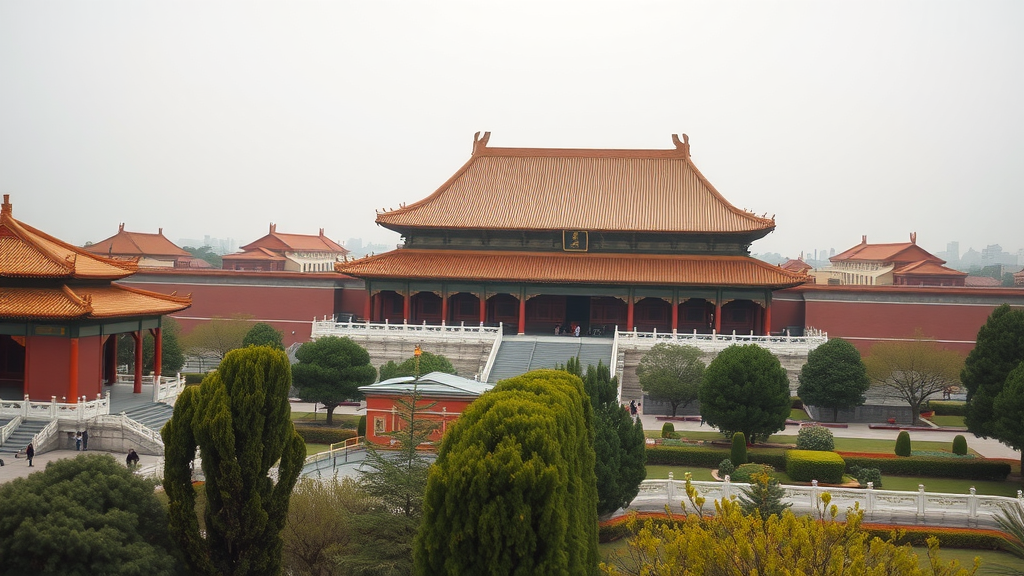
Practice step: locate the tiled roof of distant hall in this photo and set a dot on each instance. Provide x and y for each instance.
(575, 268)
(578, 189)
(126, 243)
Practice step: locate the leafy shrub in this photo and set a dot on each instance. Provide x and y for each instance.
(361, 426)
(796, 403)
(743, 473)
(324, 435)
(192, 378)
(738, 455)
(725, 468)
(710, 457)
(807, 465)
(965, 468)
(948, 407)
(815, 438)
(865, 475)
(960, 445)
(903, 443)
(668, 430)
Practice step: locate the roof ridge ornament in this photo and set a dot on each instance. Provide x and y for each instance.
(683, 145)
(7, 206)
(479, 143)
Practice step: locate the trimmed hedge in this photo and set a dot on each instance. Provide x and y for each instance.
(738, 454)
(903, 444)
(711, 457)
(815, 438)
(324, 435)
(192, 378)
(807, 465)
(948, 407)
(746, 471)
(361, 426)
(965, 469)
(668, 430)
(796, 403)
(960, 445)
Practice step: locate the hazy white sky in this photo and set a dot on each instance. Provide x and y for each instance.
(841, 118)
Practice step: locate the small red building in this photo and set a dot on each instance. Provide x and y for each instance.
(287, 252)
(149, 250)
(898, 264)
(442, 396)
(61, 312)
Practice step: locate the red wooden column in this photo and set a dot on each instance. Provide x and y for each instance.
(444, 307)
(137, 389)
(158, 353)
(629, 312)
(768, 318)
(522, 312)
(483, 307)
(718, 315)
(73, 372)
(368, 307)
(407, 304)
(675, 314)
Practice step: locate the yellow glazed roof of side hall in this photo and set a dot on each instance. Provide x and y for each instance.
(578, 189)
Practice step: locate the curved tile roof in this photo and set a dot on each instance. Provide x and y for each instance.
(570, 189)
(126, 243)
(83, 303)
(29, 253)
(572, 268)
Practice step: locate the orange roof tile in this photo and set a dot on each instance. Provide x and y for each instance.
(981, 282)
(572, 268)
(126, 243)
(26, 252)
(927, 268)
(257, 253)
(797, 265)
(281, 242)
(892, 252)
(86, 302)
(566, 189)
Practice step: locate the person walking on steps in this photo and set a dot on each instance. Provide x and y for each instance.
(132, 460)
(30, 452)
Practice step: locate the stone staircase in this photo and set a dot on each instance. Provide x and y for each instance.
(520, 354)
(152, 415)
(22, 435)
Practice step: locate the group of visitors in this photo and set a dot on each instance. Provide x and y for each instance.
(81, 443)
(573, 329)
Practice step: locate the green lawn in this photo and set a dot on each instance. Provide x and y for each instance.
(798, 414)
(339, 420)
(842, 444)
(956, 421)
(316, 448)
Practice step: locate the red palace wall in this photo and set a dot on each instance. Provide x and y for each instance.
(47, 367)
(90, 367)
(447, 410)
(866, 315)
(288, 301)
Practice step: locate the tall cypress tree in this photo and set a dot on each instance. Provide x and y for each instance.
(513, 490)
(240, 421)
(999, 349)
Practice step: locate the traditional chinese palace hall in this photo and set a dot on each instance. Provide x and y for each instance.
(539, 238)
(61, 312)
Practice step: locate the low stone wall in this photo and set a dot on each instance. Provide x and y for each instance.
(108, 434)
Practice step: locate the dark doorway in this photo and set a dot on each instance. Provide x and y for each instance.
(12, 367)
(577, 309)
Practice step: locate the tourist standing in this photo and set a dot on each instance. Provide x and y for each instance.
(132, 460)
(78, 441)
(30, 451)
(85, 440)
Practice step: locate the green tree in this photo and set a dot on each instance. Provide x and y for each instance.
(998, 350)
(84, 515)
(323, 525)
(513, 489)
(429, 362)
(396, 480)
(746, 389)
(263, 334)
(1008, 412)
(672, 373)
(205, 253)
(172, 354)
(619, 442)
(240, 420)
(218, 336)
(330, 371)
(834, 377)
(913, 371)
(763, 496)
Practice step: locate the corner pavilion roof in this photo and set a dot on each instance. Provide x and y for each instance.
(126, 243)
(927, 268)
(572, 268)
(67, 282)
(29, 253)
(577, 189)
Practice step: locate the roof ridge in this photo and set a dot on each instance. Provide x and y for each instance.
(83, 302)
(26, 234)
(129, 266)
